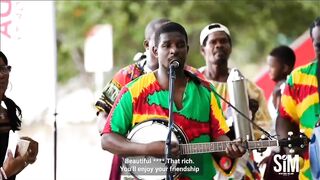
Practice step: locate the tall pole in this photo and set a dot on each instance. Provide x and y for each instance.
(55, 130)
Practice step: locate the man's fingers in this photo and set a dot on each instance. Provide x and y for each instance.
(235, 150)
(175, 149)
(9, 154)
(241, 149)
(229, 150)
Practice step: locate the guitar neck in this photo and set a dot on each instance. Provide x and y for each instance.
(197, 148)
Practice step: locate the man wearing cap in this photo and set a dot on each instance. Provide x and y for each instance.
(216, 47)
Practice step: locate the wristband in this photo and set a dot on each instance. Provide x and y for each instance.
(3, 173)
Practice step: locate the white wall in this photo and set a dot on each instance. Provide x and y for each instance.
(28, 41)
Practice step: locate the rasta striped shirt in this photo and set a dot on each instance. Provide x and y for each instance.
(300, 104)
(201, 117)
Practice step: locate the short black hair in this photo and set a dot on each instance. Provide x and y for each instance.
(153, 26)
(285, 54)
(4, 58)
(315, 23)
(170, 27)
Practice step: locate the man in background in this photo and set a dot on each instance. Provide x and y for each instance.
(300, 107)
(125, 75)
(216, 47)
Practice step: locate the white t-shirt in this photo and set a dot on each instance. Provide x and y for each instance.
(273, 110)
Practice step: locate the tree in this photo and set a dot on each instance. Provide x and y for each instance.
(256, 26)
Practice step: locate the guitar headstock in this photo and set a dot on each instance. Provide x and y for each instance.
(291, 142)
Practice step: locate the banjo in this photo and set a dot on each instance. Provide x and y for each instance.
(148, 167)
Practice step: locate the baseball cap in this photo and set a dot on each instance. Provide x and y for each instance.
(214, 27)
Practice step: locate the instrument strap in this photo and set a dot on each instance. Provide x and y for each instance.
(318, 79)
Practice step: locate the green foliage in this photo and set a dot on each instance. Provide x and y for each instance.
(256, 26)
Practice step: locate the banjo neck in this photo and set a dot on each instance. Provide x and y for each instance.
(197, 148)
(140, 133)
(158, 130)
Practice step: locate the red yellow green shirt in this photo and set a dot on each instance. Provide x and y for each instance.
(123, 77)
(300, 104)
(201, 117)
(112, 89)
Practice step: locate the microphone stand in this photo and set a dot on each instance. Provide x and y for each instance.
(168, 155)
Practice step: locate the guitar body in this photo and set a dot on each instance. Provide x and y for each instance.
(148, 167)
(225, 165)
(237, 170)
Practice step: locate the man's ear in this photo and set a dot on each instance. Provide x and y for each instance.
(286, 69)
(202, 51)
(146, 44)
(187, 48)
(155, 51)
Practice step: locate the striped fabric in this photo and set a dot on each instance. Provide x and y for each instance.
(201, 117)
(123, 77)
(300, 104)
(112, 89)
(245, 166)
(314, 152)
(262, 116)
(110, 93)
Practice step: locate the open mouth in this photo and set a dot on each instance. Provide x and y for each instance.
(220, 53)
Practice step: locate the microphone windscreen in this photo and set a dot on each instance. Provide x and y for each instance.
(174, 64)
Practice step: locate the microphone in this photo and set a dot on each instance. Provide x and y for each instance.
(244, 116)
(174, 64)
(237, 91)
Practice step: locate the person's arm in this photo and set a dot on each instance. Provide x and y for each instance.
(283, 126)
(14, 164)
(118, 124)
(278, 94)
(105, 102)
(220, 128)
(253, 107)
(258, 105)
(110, 93)
(287, 119)
(101, 120)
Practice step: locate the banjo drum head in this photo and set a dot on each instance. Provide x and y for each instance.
(149, 167)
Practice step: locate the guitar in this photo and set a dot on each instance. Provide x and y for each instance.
(143, 167)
